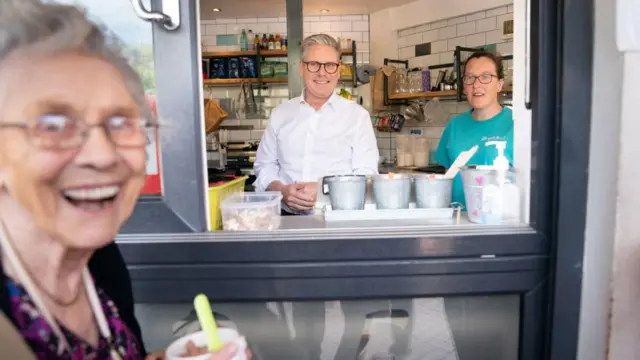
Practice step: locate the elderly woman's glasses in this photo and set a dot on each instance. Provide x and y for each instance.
(314, 66)
(484, 79)
(61, 132)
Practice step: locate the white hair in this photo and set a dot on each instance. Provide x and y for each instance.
(320, 39)
(44, 29)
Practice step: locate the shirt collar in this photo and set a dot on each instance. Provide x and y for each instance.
(331, 102)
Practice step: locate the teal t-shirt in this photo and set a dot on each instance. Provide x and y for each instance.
(463, 132)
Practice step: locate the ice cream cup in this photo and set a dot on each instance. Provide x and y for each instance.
(178, 348)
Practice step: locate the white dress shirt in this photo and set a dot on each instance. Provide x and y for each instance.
(301, 144)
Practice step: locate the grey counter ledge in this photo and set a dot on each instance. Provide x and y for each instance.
(302, 228)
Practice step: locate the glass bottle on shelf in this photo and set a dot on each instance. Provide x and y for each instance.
(243, 41)
(284, 44)
(265, 42)
(256, 42)
(272, 42)
(250, 44)
(278, 42)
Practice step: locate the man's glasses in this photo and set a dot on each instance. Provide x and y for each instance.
(484, 79)
(58, 132)
(314, 66)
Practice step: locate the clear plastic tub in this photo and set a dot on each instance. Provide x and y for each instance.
(492, 196)
(251, 211)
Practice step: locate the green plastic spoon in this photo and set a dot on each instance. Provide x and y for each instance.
(207, 322)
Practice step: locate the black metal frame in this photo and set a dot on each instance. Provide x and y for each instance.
(572, 161)
(387, 101)
(539, 264)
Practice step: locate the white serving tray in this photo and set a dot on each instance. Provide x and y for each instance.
(371, 213)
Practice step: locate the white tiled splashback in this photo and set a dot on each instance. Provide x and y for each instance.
(471, 30)
(355, 27)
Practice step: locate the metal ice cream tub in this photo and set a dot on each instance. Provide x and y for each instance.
(392, 191)
(346, 192)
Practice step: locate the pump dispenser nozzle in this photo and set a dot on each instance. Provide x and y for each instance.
(500, 162)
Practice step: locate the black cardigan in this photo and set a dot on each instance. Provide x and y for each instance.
(111, 275)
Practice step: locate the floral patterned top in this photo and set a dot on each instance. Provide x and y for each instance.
(44, 342)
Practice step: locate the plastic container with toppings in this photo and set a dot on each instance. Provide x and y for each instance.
(251, 211)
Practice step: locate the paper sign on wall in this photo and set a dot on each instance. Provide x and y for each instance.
(153, 184)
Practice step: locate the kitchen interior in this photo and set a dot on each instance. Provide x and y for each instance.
(407, 78)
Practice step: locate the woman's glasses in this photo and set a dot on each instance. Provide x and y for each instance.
(484, 79)
(57, 132)
(314, 66)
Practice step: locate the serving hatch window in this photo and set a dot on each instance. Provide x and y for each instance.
(446, 141)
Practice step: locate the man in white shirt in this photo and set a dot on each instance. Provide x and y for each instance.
(315, 135)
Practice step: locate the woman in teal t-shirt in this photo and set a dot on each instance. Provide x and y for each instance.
(483, 80)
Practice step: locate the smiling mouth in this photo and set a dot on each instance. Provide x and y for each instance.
(321, 82)
(92, 198)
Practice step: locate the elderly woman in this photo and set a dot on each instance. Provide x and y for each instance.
(73, 128)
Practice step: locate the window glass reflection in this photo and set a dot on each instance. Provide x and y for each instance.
(461, 328)
(134, 34)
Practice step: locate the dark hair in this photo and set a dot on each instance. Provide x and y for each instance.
(495, 58)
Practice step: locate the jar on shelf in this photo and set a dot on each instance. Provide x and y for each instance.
(402, 85)
(415, 81)
(426, 80)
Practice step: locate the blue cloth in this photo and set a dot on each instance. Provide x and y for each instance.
(463, 132)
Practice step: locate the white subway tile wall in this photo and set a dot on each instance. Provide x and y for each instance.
(355, 27)
(472, 30)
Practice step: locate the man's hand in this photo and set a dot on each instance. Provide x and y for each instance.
(296, 196)
(311, 189)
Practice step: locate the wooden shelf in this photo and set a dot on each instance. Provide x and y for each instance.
(223, 82)
(275, 80)
(420, 95)
(228, 54)
(273, 53)
(433, 94)
(240, 81)
(265, 53)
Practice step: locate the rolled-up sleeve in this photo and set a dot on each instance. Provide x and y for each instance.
(266, 166)
(365, 147)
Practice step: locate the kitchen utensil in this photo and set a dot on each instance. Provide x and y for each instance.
(433, 191)
(392, 191)
(346, 192)
(461, 161)
(434, 113)
(414, 112)
(207, 322)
